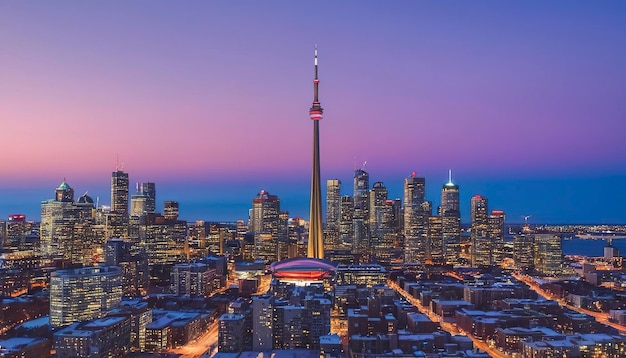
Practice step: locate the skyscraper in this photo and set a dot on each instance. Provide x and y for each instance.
(415, 219)
(435, 245)
(316, 244)
(119, 192)
(264, 223)
(495, 223)
(138, 203)
(58, 217)
(360, 216)
(450, 214)
(378, 215)
(481, 241)
(333, 212)
(346, 223)
(450, 196)
(66, 227)
(118, 218)
(149, 190)
(548, 254)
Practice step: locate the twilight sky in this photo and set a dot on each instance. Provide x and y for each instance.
(525, 101)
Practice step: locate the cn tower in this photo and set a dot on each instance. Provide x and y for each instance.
(316, 243)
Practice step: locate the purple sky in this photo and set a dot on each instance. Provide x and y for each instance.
(524, 101)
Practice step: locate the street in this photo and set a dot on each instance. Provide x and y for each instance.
(446, 326)
(600, 317)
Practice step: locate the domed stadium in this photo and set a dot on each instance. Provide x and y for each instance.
(303, 268)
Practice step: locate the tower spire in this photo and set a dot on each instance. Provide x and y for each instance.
(316, 110)
(315, 63)
(449, 176)
(315, 248)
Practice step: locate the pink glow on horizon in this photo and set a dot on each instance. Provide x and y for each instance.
(403, 86)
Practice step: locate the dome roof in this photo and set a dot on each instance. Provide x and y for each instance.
(303, 268)
(64, 186)
(85, 199)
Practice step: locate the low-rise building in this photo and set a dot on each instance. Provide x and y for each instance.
(102, 337)
(18, 347)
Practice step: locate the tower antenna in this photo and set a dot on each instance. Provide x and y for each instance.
(449, 176)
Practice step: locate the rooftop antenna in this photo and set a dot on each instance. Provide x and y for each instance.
(364, 164)
(449, 176)
(526, 217)
(97, 201)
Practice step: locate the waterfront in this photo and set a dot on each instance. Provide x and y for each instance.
(590, 247)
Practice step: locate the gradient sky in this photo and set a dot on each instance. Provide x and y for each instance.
(525, 101)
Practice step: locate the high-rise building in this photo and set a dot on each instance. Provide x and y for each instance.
(523, 250)
(132, 260)
(264, 224)
(450, 196)
(386, 243)
(317, 320)
(360, 215)
(119, 192)
(149, 190)
(495, 223)
(435, 246)
(284, 237)
(170, 210)
(333, 213)
(84, 293)
(379, 216)
(415, 219)
(450, 214)
(231, 332)
(316, 241)
(66, 227)
(138, 204)
(548, 252)
(346, 222)
(57, 221)
(163, 240)
(117, 219)
(14, 232)
(194, 279)
(481, 241)
(289, 327)
(262, 318)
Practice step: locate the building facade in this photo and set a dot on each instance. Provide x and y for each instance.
(415, 219)
(84, 293)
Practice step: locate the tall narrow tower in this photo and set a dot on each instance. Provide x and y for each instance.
(316, 244)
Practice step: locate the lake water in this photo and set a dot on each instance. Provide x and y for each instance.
(589, 247)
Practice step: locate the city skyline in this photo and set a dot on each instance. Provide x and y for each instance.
(524, 102)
